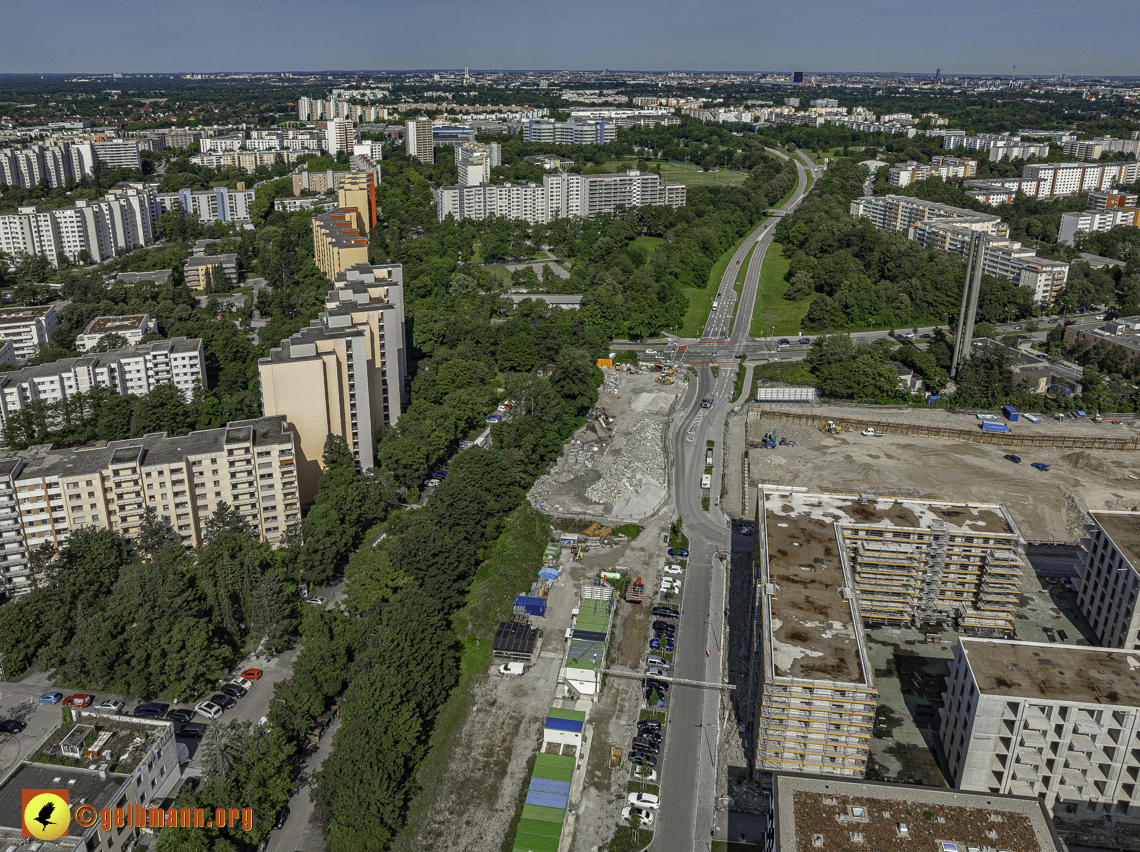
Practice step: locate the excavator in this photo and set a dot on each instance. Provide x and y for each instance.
(830, 428)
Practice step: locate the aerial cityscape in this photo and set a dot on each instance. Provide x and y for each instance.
(380, 448)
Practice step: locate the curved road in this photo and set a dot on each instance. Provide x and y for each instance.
(688, 777)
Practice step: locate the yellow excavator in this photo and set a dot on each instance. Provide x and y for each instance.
(830, 428)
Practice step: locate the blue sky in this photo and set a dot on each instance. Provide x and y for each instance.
(969, 36)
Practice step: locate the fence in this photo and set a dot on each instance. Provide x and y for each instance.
(977, 437)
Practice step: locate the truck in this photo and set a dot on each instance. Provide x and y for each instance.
(990, 426)
(706, 482)
(871, 433)
(708, 456)
(715, 305)
(1010, 413)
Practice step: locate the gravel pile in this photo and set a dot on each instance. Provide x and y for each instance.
(638, 469)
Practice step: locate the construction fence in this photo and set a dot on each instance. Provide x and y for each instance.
(978, 437)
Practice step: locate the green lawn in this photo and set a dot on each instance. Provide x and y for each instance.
(697, 178)
(700, 300)
(500, 270)
(771, 308)
(650, 244)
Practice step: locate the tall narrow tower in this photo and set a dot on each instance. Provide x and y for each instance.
(971, 289)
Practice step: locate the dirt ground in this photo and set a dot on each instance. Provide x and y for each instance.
(615, 469)
(1048, 506)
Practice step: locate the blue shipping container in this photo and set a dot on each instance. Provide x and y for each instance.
(990, 426)
(1010, 413)
(532, 606)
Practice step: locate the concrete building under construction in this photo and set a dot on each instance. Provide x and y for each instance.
(823, 563)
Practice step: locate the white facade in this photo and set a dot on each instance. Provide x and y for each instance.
(560, 195)
(474, 167)
(221, 144)
(1055, 722)
(340, 135)
(209, 205)
(373, 149)
(1110, 581)
(1087, 221)
(1071, 178)
(28, 328)
(131, 328)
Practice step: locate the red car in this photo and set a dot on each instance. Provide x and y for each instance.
(252, 674)
(80, 699)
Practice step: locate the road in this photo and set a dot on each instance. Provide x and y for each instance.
(685, 822)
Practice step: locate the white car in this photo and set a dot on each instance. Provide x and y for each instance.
(646, 817)
(644, 800)
(317, 600)
(208, 709)
(109, 706)
(238, 680)
(650, 351)
(673, 569)
(649, 776)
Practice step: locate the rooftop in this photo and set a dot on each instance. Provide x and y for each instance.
(24, 313)
(813, 813)
(1038, 670)
(152, 450)
(159, 276)
(109, 325)
(211, 259)
(81, 785)
(1124, 530)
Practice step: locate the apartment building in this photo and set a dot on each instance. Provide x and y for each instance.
(198, 268)
(222, 144)
(158, 277)
(474, 167)
(560, 195)
(118, 153)
(418, 139)
(373, 149)
(318, 182)
(250, 465)
(968, 165)
(250, 161)
(86, 231)
(1003, 190)
(130, 328)
(811, 690)
(569, 132)
(1104, 199)
(28, 167)
(911, 172)
(998, 146)
(135, 370)
(949, 229)
(1088, 221)
(1071, 178)
(28, 328)
(340, 135)
(15, 571)
(340, 236)
(344, 374)
(209, 205)
(824, 812)
(1110, 581)
(1057, 722)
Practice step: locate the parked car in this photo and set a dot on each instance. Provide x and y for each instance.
(655, 660)
(51, 698)
(180, 714)
(659, 685)
(193, 731)
(647, 746)
(644, 800)
(494, 418)
(655, 672)
(439, 474)
(1041, 466)
(317, 600)
(110, 706)
(281, 817)
(209, 709)
(648, 725)
(641, 758)
(431, 483)
(652, 736)
(12, 726)
(649, 776)
(151, 710)
(232, 690)
(665, 611)
(926, 336)
(80, 699)
(656, 644)
(252, 674)
(673, 569)
(644, 817)
(1019, 328)
(680, 552)
(664, 625)
(1011, 457)
(238, 680)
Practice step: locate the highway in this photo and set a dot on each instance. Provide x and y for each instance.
(688, 765)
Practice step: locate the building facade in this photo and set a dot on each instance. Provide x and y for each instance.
(418, 139)
(569, 132)
(1056, 722)
(1110, 581)
(1089, 221)
(340, 236)
(344, 374)
(130, 328)
(209, 205)
(28, 328)
(200, 267)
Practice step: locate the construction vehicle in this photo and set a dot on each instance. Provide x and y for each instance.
(830, 428)
(663, 380)
(636, 591)
(1097, 418)
(657, 367)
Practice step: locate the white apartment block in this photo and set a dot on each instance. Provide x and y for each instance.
(1003, 190)
(1101, 199)
(28, 328)
(373, 149)
(118, 153)
(221, 144)
(1110, 581)
(1060, 723)
(120, 221)
(474, 167)
(569, 132)
(250, 465)
(911, 172)
(250, 160)
(27, 167)
(134, 370)
(1094, 149)
(209, 205)
(418, 139)
(15, 573)
(493, 150)
(561, 194)
(1088, 221)
(949, 229)
(130, 328)
(968, 165)
(999, 146)
(1071, 178)
(340, 135)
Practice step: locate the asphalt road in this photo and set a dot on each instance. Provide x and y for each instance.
(688, 762)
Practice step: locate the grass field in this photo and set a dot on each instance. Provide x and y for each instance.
(500, 270)
(772, 311)
(650, 244)
(686, 173)
(700, 300)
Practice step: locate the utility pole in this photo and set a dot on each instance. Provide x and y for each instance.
(971, 289)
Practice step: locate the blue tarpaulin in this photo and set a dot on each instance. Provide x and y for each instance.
(546, 800)
(546, 785)
(532, 606)
(548, 574)
(574, 725)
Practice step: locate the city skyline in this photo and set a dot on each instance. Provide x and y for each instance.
(597, 36)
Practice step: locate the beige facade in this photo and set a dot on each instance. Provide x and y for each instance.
(344, 374)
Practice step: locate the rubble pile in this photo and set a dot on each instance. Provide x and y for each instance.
(638, 470)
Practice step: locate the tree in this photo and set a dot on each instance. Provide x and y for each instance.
(109, 342)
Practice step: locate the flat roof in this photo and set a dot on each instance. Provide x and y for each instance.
(1124, 530)
(811, 807)
(813, 628)
(80, 784)
(1054, 672)
(24, 313)
(108, 325)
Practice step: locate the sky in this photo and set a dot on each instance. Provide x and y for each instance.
(968, 37)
